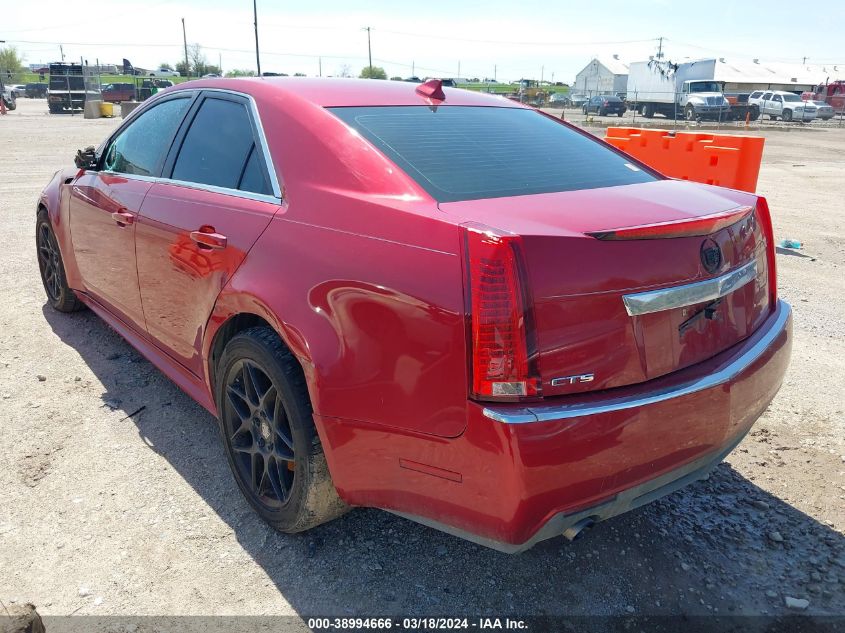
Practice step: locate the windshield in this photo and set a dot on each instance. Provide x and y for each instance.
(705, 86)
(467, 153)
(791, 98)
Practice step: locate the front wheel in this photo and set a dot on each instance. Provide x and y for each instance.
(51, 266)
(787, 115)
(690, 113)
(268, 431)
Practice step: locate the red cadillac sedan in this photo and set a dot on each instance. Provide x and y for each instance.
(431, 301)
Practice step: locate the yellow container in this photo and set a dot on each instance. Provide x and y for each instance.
(106, 109)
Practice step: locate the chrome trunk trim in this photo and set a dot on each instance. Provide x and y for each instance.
(689, 294)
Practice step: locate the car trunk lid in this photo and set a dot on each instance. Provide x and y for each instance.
(596, 303)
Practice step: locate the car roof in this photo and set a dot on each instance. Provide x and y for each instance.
(338, 92)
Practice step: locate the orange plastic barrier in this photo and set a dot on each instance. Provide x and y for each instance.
(725, 160)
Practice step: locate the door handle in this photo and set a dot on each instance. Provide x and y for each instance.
(123, 218)
(209, 239)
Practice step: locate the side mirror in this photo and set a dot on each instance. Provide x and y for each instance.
(86, 158)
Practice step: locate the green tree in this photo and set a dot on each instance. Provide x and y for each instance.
(183, 69)
(10, 61)
(396, 79)
(166, 65)
(239, 72)
(373, 72)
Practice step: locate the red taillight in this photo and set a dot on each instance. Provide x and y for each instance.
(498, 316)
(765, 219)
(688, 227)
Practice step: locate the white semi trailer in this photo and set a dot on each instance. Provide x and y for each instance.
(688, 90)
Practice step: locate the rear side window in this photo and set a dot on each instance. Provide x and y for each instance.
(218, 149)
(467, 153)
(141, 147)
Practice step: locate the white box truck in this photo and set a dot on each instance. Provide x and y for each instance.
(688, 90)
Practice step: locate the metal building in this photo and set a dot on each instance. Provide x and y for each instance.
(603, 75)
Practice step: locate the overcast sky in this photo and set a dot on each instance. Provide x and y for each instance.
(513, 38)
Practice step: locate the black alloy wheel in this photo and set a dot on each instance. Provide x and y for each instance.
(261, 439)
(49, 262)
(52, 269)
(267, 427)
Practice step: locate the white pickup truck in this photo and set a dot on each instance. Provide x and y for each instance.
(786, 105)
(163, 72)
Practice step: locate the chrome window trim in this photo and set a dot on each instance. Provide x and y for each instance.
(237, 193)
(689, 294)
(276, 198)
(548, 413)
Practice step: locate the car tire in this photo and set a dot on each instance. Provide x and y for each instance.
(619, 114)
(52, 268)
(602, 112)
(267, 427)
(787, 115)
(689, 113)
(54, 109)
(648, 111)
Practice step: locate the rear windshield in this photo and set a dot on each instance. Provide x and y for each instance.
(466, 153)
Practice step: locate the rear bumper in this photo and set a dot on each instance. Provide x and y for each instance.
(522, 474)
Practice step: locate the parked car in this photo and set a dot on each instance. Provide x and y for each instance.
(559, 100)
(9, 98)
(19, 90)
(786, 105)
(578, 101)
(210, 76)
(163, 72)
(119, 92)
(37, 90)
(824, 111)
(407, 325)
(604, 105)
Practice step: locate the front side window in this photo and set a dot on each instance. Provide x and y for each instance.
(141, 147)
(469, 152)
(219, 148)
(767, 96)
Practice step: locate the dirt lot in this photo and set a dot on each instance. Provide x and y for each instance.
(110, 513)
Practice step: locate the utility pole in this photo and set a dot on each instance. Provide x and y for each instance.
(255, 23)
(459, 68)
(220, 63)
(320, 66)
(369, 50)
(412, 68)
(62, 52)
(804, 61)
(660, 48)
(542, 71)
(185, 44)
(494, 72)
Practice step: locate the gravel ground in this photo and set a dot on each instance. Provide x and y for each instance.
(110, 512)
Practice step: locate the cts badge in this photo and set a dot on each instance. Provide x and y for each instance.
(573, 380)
